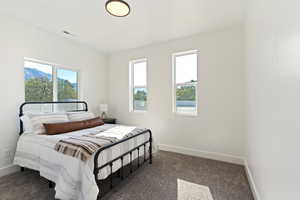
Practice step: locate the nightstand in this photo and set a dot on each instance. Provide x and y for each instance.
(109, 120)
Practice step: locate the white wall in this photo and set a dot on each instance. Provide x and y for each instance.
(19, 40)
(273, 85)
(219, 126)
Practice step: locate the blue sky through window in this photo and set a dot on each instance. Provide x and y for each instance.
(67, 75)
(38, 66)
(140, 74)
(186, 68)
(61, 73)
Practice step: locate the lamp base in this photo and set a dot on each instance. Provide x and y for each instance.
(103, 115)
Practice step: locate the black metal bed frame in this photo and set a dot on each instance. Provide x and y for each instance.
(97, 168)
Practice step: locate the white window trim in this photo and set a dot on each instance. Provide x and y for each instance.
(131, 84)
(174, 84)
(55, 67)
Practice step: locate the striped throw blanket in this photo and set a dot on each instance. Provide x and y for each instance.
(83, 147)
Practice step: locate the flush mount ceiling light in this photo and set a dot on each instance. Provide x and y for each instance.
(118, 8)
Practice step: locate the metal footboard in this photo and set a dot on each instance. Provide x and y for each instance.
(97, 168)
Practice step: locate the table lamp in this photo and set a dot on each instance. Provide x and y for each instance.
(103, 110)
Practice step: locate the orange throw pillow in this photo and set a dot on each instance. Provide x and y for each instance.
(65, 127)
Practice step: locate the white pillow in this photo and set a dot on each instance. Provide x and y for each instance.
(78, 116)
(34, 122)
(27, 126)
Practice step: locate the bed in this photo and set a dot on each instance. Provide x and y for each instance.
(73, 178)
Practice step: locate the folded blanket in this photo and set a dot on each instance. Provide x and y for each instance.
(83, 147)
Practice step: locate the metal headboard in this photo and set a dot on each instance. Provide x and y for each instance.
(21, 109)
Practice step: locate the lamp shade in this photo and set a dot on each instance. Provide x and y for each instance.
(103, 107)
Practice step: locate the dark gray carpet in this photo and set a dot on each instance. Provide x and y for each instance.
(150, 182)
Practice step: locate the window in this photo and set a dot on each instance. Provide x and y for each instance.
(38, 81)
(67, 85)
(138, 85)
(47, 82)
(185, 81)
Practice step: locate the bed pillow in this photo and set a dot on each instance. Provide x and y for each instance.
(37, 120)
(78, 116)
(27, 126)
(65, 127)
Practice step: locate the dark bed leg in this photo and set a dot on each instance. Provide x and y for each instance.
(150, 158)
(150, 149)
(119, 173)
(51, 184)
(22, 169)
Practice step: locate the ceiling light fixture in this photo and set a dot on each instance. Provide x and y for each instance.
(117, 8)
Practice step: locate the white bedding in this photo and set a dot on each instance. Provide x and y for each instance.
(74, 178)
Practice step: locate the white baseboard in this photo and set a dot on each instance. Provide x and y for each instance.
(251, 181)
(203, 154)
(10, 169)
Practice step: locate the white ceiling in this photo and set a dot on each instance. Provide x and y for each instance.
(151, 21)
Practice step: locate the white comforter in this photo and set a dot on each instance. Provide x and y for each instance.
(74, 179)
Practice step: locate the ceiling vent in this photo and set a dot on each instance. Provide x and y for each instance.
(67, 33)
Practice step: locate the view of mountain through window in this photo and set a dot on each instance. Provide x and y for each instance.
(67, 87)
(42, 84)
(38, 82)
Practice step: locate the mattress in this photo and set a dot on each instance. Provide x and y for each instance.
(74, 178)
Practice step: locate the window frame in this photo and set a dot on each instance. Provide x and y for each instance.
(55, 68)
(132, 86)
(174, 84)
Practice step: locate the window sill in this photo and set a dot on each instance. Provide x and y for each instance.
(138, 111)
(186, 114)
